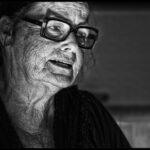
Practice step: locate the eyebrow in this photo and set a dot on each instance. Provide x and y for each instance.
(59, 16)
(49, 12)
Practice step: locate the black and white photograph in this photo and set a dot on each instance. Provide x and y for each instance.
(74, 74)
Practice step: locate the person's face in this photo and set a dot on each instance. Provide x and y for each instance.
(45, 60)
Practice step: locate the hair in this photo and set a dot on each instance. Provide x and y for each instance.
(9, 8)
(13, 8)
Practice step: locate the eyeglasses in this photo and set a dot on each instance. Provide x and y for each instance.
(58, 30)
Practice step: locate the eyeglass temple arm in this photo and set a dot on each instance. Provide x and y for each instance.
(32, 21)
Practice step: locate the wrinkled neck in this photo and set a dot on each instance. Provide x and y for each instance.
(28, 105)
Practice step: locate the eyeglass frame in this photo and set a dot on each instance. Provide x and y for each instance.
(73, 28)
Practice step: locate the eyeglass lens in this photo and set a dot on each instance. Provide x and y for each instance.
(58, 31)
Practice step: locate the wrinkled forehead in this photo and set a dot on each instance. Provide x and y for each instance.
(74, 11)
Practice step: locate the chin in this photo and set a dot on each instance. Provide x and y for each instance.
(56, 80)
(62, 81)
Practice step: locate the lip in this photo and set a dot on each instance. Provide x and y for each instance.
(61, 63)
(70, 62)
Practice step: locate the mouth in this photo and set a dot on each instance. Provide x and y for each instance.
(62, 64)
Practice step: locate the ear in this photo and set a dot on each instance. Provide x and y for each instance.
(6, 27)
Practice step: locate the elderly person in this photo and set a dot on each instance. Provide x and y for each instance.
(43, 46)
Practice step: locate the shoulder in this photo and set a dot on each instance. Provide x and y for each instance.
(94, 105)
(96, 109)
(103, 126)
(85, 112)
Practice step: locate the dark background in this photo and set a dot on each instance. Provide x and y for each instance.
(122, 69)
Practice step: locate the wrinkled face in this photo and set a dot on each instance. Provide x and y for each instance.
(44, 60)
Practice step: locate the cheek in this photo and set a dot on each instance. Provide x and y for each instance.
(79, 63)
(31, 42)
(32, 57)
(36, 50)
(80, 59)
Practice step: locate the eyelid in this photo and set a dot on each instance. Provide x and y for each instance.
(57, 19)
(55, 23)
(67, 21)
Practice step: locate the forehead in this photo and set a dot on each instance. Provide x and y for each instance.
(76, 12)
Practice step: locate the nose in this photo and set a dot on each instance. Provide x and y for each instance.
(70, 43)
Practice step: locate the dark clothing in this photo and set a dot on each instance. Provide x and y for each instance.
(80, 121)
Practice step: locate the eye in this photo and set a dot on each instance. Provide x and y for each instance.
(83, 32)
(57, 29)
(54, 29)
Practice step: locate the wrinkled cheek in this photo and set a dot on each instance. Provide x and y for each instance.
(32, 71)
(78, 65)
(34, 65)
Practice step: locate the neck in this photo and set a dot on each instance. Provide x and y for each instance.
(29, 105)
(31, 110)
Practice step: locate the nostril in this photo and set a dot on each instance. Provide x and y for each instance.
(67, 49)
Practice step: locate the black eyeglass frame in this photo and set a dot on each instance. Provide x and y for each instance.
(73, 28)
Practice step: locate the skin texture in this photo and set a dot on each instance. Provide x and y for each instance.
(32, 81)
